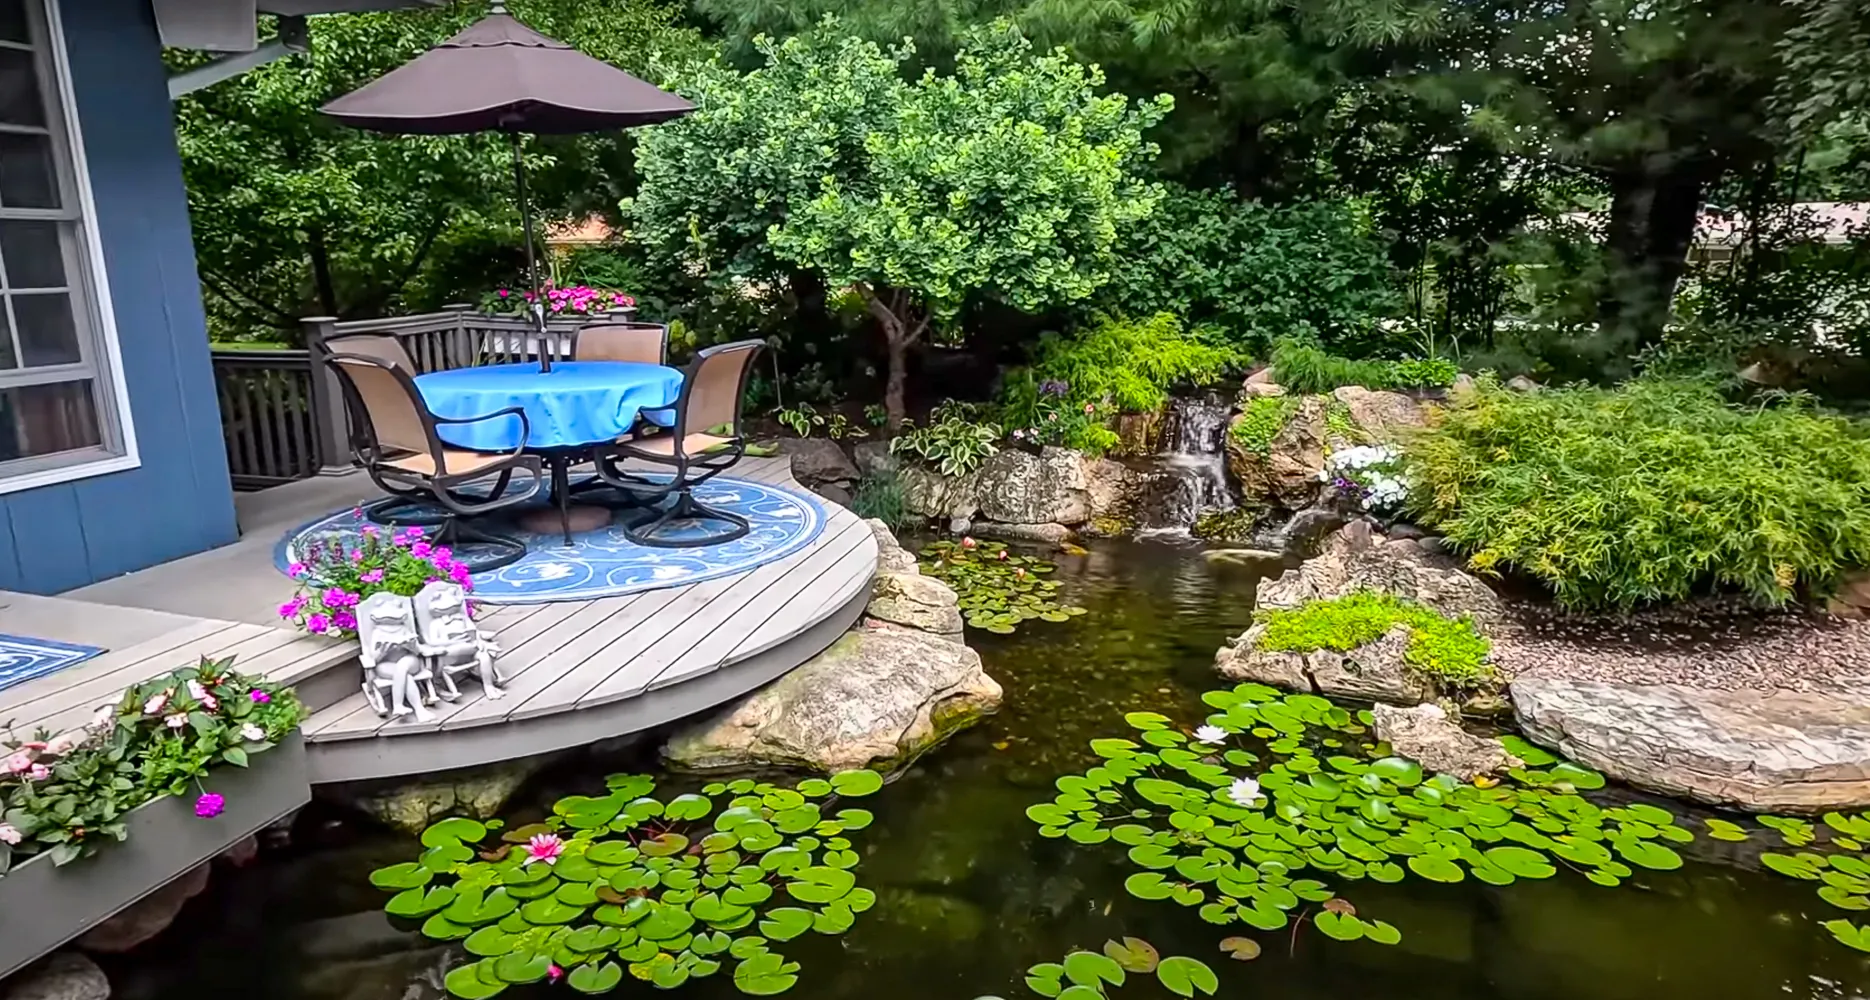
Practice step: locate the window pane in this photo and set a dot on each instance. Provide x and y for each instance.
(47, 335)
(44, 419)
(13, 21)
(27, 178)
(20, 103)
(31, 254)
(7, 358)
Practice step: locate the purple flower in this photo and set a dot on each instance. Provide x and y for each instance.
(259, 697)
(210, 805)
(369, 530)
(291, 608)
(1054, 387)
(372, 575)
(357, 513)
(338, 597)
(344, 620)
(421, 550)
(297, 569)
(317, 624)
(459, 573)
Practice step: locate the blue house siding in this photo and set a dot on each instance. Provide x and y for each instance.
(179, 501)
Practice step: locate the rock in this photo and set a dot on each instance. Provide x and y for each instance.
(411, 805)
(1463, 383)
(1762, 751)
(833, 492)
(1286, 475)
(1112, 489)
(1256, 389)
(1381, 414)
(1262, 375)
(1018, 487)
(928, 493)
(1137, 433)
(1043, 534)
(891, 556)
(1254, 558)
(1855, 591)
(916, 601)
(1302, 533)
(873, 458)
(1520, 383)
(147, 917)
(65, 975)
(1425, 735)
(1356, 557)
(876, 697)
(1375, 671)
(817, 460)
(1243, 660)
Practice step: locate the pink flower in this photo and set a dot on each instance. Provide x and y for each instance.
(297, 569)
(39, 772)
(9, 835)
(200, 694)
(372, 576)
(443, 556)
(210, 805)
(357, 555)
(154, 706)
(176, 721)
(259, 697)
(357, 513)
(421, 550)
(544, 847)
(369, 531)
(18, 763)
(344, 620)
(64, 743)
(554, 974)
(252, 733)
(338, 597)
(291, 608)
(459, 572)
(503, 293)
(1088, 408)
(317, 624)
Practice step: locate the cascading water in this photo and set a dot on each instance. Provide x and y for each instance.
(1191, 464)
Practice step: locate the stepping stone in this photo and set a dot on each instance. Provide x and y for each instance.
(1761, 751)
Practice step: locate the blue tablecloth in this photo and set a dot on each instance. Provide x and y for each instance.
(577, 402)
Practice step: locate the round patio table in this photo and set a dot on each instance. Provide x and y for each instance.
(570, 410)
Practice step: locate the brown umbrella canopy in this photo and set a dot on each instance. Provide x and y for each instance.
(499, 75)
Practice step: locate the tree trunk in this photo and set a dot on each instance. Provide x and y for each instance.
(892, 308)
(1652, 222)
(321, 271)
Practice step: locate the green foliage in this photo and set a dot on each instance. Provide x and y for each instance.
(1840, 864)
(1305, 368)
(1043, 413)
(1088, 975)
(66, 794)
(1233, 820)
(1450, 650)
(953, 443)
(803, 418)
(880, 495)
(671, 889)
(1261, 420)
(1249, 273)
(1130, 364)
(998, 590)
(1648, 492)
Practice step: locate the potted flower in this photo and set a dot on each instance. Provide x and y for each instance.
(569, 301)
(339, 572)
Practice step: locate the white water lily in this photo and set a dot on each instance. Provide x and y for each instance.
(1245, 792)
(1210, 735)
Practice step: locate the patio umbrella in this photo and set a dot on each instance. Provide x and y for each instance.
(498, 75)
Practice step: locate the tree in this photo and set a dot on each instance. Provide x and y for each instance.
(1008, 180)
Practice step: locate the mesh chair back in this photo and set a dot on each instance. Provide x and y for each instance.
(713, 386)
(383, 347)
(647, 343)
(389, 403)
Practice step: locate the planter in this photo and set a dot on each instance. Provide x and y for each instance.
(42, 905)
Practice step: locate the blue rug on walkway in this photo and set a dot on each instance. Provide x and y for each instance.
(602, 562)
(23, 657)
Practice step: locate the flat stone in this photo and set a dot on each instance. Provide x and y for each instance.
(916, 601)
(1356, 557)
(1762, 751)
(66, 975)
(1378, 412)
(817, 460)
(1426, 735)
(1043, 534)
(1244, 557)
(891, 556)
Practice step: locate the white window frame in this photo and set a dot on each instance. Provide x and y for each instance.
(91, 294)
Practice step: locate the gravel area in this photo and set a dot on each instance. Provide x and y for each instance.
(1708, 644)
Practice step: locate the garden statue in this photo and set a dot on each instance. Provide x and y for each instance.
(447, 636)
(394, 670)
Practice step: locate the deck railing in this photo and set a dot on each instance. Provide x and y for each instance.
(282, 412)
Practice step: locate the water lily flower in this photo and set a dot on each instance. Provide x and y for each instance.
(259, 697)
(252, 733)
(968, 542)
(154, 706)
(210, 805)
(1245, 792)
(176, 721)
(9, 834)
(1210, 735)
(554, 974)
(544, 847)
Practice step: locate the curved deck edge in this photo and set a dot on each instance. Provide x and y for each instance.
(446, 749)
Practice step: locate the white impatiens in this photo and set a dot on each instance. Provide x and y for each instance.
(1374, 471)
(1245, 792)
(1210, 735)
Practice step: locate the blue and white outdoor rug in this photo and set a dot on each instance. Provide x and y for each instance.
(603, 563)
(24, 657)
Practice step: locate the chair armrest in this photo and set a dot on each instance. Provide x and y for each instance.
(525, 425)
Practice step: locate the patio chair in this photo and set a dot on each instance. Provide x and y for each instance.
(381, 346)
(707, 439)
(393, 436)
(647, 343)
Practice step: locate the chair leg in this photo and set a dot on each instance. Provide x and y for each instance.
(503, 550)
(643, 528)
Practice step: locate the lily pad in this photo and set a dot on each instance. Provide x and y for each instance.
(1185, 976)
(857, 783)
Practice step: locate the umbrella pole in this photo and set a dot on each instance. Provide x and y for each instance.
(532, 259)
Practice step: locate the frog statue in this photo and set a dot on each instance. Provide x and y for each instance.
(394, 670)
(449, 639)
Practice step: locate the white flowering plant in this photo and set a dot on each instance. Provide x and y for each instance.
(1370, 473)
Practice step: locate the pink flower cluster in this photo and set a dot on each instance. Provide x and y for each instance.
(582, 299)
(334, 578)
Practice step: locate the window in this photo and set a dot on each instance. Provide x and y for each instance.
(58, 407)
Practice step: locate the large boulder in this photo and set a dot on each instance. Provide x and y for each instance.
(1762, 751)
(877, 698)
(1426, 735)
(816, 461)
(1375, 671)
(147, 917)
(1016, 486)
(1357, 557)
(1287, 473)
(916, 601)
(1380, 414)
(1112, 489)
(411, 805)
(874, 458)
(1034, 534)
(64, 976)
(927, 493)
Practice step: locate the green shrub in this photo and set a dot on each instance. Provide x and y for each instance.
(1647, 492)
(1304, 367)
(880, 495)
(1451, 650)
(1130, 364)
(1261, 420)
(954, 443)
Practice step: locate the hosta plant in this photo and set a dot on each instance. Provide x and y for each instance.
(997, 589)
(629, 884)
(1236, 816)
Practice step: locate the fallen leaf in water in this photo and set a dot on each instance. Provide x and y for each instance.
(1482, 781)
(1134, 954)
(1241, 949)
(1340, 906)
(1001, 745)
(1073, 550)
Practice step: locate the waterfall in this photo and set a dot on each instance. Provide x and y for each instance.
(1192, 465)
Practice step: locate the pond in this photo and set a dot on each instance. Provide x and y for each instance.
(969, 895)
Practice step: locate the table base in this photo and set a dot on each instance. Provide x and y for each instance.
(573, 519)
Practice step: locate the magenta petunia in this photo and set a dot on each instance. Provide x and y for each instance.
(259, 697)
(210, 805)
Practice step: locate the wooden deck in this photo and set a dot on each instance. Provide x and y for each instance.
(575, 671)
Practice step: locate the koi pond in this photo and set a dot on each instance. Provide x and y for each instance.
(978, 864)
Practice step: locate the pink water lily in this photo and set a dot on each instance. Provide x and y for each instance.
(544, 847)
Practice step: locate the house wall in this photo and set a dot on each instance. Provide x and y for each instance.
(179, 501)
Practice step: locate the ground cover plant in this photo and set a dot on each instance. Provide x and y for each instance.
(66, 794)
(669, 890)
(1450, 650)
(998, 589)
(1307, 369)
(1647, 492)
(1235, 817)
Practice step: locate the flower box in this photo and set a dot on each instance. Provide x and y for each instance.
(42, 905)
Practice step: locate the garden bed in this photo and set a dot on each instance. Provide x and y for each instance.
(43, 905)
